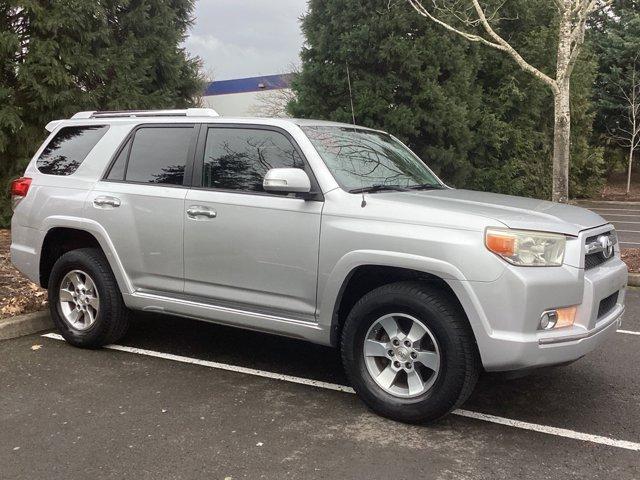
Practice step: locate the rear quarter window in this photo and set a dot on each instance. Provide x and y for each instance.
(68, 148)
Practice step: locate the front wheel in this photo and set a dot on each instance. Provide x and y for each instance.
(409, 352)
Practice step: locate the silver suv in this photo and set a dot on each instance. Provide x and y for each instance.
(326, 232)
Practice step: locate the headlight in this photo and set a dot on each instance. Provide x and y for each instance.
(525, 248)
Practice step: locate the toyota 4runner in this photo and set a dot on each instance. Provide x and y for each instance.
(326, 232)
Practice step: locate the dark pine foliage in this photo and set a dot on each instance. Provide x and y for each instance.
(468, 111)
(616, 40)
(58, 57)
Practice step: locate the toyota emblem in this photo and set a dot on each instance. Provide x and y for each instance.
(607, 246)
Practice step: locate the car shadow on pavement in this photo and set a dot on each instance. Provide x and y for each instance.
(559, 396)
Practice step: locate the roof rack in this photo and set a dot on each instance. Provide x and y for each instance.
(189, 112)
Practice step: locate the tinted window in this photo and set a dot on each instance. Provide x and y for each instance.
(159, 155)
(118, 167)
(239, 158)
(68, 149)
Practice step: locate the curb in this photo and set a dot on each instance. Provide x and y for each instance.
(585, 203)
(634, 280)
(25, 325)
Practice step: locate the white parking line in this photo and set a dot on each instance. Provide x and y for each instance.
(602, 209)
(221, 366)
(560, 432)
(617, 215)
(628, 332)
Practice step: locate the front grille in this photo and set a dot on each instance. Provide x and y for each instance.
(592, 260)
(607, 304)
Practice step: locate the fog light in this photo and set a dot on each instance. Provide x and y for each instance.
(548, 319)
(558, 318)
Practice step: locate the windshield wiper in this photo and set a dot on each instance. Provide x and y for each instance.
(427, 186)
(378, 188)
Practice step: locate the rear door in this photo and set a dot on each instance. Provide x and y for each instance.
(250, 249)
(140, 203)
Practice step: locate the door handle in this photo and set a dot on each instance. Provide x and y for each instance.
(106, 202)
(198, 211)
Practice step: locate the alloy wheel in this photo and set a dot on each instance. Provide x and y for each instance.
(78, 299)
(402, 355)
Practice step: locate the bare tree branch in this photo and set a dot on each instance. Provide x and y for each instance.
(522, 63)
(626, 132)
(573, 20)
(560, 5)
(495, 41)
(417, 5)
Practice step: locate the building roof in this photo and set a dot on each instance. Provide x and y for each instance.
(252, 84)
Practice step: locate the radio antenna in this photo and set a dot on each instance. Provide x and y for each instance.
(353, 118)
(353, 115)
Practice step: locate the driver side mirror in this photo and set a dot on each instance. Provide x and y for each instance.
(286, 180)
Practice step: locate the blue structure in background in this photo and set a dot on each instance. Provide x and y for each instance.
(246, 85)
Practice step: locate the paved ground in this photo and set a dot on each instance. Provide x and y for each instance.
(77, 414)
(624, 216)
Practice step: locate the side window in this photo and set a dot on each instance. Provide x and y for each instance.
(239, 158)
(159, 155)
(119, 166)
(68, 149)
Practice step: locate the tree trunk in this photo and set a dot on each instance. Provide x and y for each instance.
(561, 144)
(633, 142)
(562, 109)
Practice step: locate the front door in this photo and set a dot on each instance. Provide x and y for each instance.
(243, 247)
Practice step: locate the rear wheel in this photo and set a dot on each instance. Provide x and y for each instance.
(84, 299)
(409, 352)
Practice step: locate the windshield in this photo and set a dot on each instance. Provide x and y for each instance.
(368, 160)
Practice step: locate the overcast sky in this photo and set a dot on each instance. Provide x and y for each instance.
(245, 38)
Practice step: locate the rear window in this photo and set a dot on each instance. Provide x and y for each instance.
(68, 148)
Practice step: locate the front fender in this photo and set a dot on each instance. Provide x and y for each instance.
(449, 273)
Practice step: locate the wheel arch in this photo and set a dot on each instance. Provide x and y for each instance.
(63, 234)
(380, 268)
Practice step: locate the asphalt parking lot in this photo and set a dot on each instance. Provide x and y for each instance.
(625, 216)
(173, 401)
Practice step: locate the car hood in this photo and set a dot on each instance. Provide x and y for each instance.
(514, 212)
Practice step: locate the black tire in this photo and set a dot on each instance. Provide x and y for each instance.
(459, 365)
(112, 320)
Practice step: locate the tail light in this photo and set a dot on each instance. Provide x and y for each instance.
(19, 190)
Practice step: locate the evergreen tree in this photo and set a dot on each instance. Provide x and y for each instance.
(407, 78)
(60, 69)
(12, 146)
(10, 53)
(145, 67)
(515, 150)
(468, 111)
(616, 41)
(58, 57)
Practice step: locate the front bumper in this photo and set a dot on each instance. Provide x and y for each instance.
(560, 349)
(512, 305)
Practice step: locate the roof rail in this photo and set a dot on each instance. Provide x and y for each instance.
(82, 115)
(189, 112)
